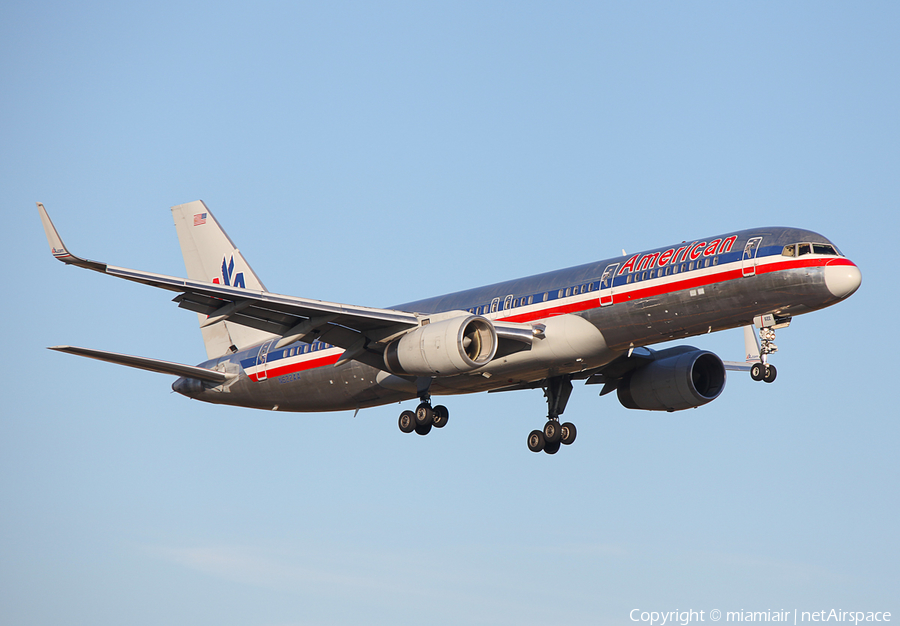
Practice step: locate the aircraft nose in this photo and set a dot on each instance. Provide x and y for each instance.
(842, 279)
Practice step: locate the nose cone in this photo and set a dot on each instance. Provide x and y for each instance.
(842, 279)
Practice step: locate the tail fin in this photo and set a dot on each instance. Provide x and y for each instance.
(210, 256)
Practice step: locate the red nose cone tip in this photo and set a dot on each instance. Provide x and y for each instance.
(842, 280)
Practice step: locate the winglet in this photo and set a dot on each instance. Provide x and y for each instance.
(58, 248)
(751, 345)
(751, 350)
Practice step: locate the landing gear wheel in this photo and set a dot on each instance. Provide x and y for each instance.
(407, 421)
(551, 433)
(536, 441)
(567, 434)
(424, 415)
(770, 374)
(423, 430)
(552, 448)
(757, 371)
(441, 415)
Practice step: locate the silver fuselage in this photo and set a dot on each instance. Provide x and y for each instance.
(590, 314)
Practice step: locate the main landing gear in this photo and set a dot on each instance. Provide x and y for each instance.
(554, 434)
(425, 416)
(764, 370)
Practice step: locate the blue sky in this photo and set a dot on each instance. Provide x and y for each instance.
(381, 153)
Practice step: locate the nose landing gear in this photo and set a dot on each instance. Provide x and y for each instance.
(764, 370)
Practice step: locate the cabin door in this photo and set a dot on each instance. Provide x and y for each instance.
(606, 284)
(261, 359)
(748, 263)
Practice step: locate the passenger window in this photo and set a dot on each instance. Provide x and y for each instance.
(674, 269)
(715, 260)
(690, 266)
(546, 296)
(530, 299)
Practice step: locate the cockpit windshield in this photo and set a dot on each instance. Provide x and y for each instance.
(799, 249)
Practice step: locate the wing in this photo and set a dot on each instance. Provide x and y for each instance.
(361, 331)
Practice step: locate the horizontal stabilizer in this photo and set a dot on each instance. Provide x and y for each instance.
(153, 365)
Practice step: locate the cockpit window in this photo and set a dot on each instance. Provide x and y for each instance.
(799, 249)
(824, 248)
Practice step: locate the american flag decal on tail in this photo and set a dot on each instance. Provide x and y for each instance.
(199, 219)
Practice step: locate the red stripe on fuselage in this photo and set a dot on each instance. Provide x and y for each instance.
(274, 372)
(670, 286)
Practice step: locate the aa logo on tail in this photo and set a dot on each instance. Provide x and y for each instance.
(228, 274)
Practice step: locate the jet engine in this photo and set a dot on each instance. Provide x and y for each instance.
(678, 378)
(444, 348)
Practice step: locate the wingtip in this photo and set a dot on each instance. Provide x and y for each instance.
(57, 247)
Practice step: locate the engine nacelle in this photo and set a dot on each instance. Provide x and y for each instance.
(444, 348)
(679, 378)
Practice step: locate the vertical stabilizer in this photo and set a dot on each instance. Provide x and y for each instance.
(210, 256)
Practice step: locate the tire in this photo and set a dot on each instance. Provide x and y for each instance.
(441, 415)
(423, 430)
(567, 434)
(424, 415)
(770, 374)
(536, 441)
(407, 421)
(757, 371)
(552, 432)
(552, 448)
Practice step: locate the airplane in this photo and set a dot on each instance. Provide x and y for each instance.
(590, 323)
